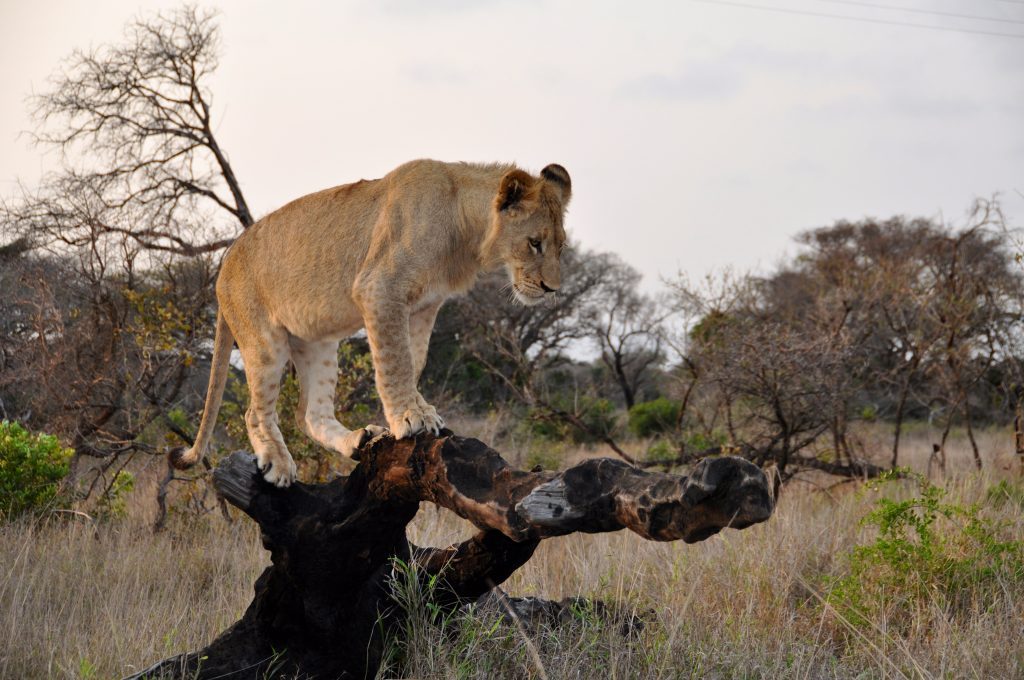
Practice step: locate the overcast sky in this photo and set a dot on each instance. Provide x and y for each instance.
(698, 134)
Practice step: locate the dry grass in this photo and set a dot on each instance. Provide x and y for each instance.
(79, 600)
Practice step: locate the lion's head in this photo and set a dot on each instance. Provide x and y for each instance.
(526, 232)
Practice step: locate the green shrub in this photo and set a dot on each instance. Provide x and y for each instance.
(653, 417)
(664, 450)
(545, 454)
(112, 504)
(539, 423)
(31, 468)
(695, 442)
(597, 415)
(661, 451)
(1006, 492)
(928, 552)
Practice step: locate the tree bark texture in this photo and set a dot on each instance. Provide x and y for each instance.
(324, 608)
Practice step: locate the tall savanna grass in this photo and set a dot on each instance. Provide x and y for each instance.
(86, 599)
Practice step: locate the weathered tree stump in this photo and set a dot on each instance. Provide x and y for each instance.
(324, 607)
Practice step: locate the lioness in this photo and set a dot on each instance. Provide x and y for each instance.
(382, 254)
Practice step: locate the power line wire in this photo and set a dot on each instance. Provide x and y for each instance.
(915, 10)
(864, 20)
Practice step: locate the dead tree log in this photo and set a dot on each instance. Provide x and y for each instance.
(324, 607)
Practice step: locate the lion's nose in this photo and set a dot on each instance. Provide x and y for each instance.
(546, 288)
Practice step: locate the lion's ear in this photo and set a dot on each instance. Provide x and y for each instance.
(558, 177)
(514, 190)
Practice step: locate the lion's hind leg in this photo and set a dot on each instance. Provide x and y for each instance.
(316, 365)
(264, 363)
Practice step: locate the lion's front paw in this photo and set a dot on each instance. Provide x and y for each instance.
(420, 418)
(356, 439)
(279, 471)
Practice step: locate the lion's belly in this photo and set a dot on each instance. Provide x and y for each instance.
(318, 319)
(340, 317)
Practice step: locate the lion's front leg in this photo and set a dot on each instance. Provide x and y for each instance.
(421, 325)
(387, 328)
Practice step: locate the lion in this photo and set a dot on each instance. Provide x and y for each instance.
(382, 255)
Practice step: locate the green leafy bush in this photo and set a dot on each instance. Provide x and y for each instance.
(653, 417)
(695, 442)
(546, 454)
(539, 423)
(112, 504)
(929, 554)
(600, 417)
(661, 451)
(31, 468)
(1007, 492)
(597, 415)
(692, 444)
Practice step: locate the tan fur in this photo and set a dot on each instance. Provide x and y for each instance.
(382, 255)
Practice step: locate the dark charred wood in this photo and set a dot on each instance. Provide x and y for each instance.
(325, 606)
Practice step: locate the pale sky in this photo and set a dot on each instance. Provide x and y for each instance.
(698, 134)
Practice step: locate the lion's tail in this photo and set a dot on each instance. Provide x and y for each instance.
(182, 458)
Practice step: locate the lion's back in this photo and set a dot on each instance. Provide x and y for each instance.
(300, 261)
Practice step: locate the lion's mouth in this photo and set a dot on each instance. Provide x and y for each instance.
(526, 296)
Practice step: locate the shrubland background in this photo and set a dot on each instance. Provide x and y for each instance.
(881, 343)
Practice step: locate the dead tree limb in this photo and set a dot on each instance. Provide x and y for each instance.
(324, 608)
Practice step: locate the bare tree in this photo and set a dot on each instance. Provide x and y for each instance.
(129, 229)
(701, 307)
(935, 311)
(519, 346)
(880, 318)
(625, 325)
(516, 340)
(778, 386)
(873, 273)
(134, 122)
(978, 310)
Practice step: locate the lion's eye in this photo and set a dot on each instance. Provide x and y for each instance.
(535, 244)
